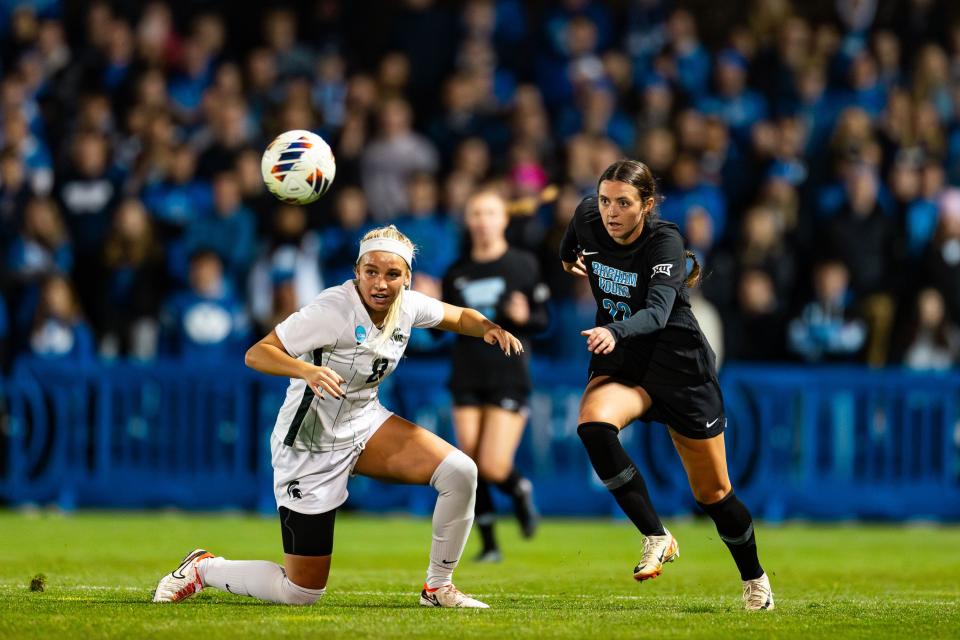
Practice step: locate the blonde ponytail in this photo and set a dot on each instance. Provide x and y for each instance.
(392, 318)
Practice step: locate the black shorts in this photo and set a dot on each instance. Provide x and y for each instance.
(681, 381)
(307, 534)
(509, 398)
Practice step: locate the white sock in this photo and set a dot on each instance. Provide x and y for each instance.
(455, 479)
(255, 578)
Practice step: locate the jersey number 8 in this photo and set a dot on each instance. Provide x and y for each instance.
(379, 368)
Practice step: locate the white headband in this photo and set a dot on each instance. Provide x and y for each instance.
(387, 244)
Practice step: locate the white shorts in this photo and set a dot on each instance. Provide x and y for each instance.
(316, 481)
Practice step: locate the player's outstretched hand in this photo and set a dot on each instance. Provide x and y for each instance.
(504, 339)
(322, 379)
(576, 268)
(599, 340)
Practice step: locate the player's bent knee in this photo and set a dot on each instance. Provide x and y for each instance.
(455, 473)
(712, 494)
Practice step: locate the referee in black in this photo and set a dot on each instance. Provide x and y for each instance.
(491, 393)
(650, 361)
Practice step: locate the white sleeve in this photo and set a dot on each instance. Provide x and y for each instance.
(426, 311)
(316, 325)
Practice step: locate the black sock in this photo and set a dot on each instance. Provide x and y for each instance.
(485, 515)
(509, 484)
(620, 475)
(735, 527)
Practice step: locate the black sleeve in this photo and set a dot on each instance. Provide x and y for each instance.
(652, 317)
(569, 244)
(448, 291)
(668, 260)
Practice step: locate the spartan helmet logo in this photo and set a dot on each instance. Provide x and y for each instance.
(293, 490)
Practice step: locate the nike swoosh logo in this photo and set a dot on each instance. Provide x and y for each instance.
(589, 253)
(710, 424)
(448, 561)
(662, 551)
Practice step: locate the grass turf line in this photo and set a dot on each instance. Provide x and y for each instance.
(573, 580)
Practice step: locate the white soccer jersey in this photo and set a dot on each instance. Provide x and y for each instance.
(335, 331)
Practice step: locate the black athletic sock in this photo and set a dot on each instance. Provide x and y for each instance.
(620, 475)
(485, 516)
(735, 527)
(509, 484)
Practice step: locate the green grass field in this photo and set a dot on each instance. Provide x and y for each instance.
(573, 580)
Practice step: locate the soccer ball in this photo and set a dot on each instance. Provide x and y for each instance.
(298, 167)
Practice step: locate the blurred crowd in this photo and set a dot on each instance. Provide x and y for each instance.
(806, 150)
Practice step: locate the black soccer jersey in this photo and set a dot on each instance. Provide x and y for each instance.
(624, 280)
(486, 287)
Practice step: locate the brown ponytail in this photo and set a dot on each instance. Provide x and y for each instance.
(696, 273)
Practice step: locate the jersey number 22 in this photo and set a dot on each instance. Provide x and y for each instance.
(617, 308)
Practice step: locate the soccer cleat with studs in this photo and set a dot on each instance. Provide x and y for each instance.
(448, 596)
(657, 551)
(184, 581)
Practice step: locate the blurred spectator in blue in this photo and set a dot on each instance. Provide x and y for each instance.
(330, 89)
(290, 260)
(43, 245)
(559, 18)
(687, 191)
(340, 241)
(252, 190)
(931, 340)
(865, 239)
(757, 330)
(827, 328)
(596, 112)
(436, 236)
(887, 53)
(187, 87)
(176, 201)
(685, 61)
(503, 23)
(59, 329)
(427, 31)
(658, 148)
(922, 213)
(497, 83)
(531, 125)
(31, 150)
(866, 89)
(472, 157)
(733, 102)
(132, 284)
(932, 81)
(87, 191)
(14, 194)
(646, 33)
(390, 159)
(904, 181)
(263, 91)
(461, 118)
(763, 247)
(457, 188)
(724, 165)
(657, 102)
(41, 249)
(229, 230)
(816, 108)
(942, 262)
(575, 62)
(293, 57)
(929, 135)
(229, 131)
(206, 321)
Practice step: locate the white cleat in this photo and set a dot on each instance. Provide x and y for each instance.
(657, 551)
(184, 581)
(449, 596)
(757, 594)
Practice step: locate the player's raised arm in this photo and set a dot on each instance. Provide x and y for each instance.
(270, 356)
(470, 322)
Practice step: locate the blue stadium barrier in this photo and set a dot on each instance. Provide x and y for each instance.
(826, 443)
